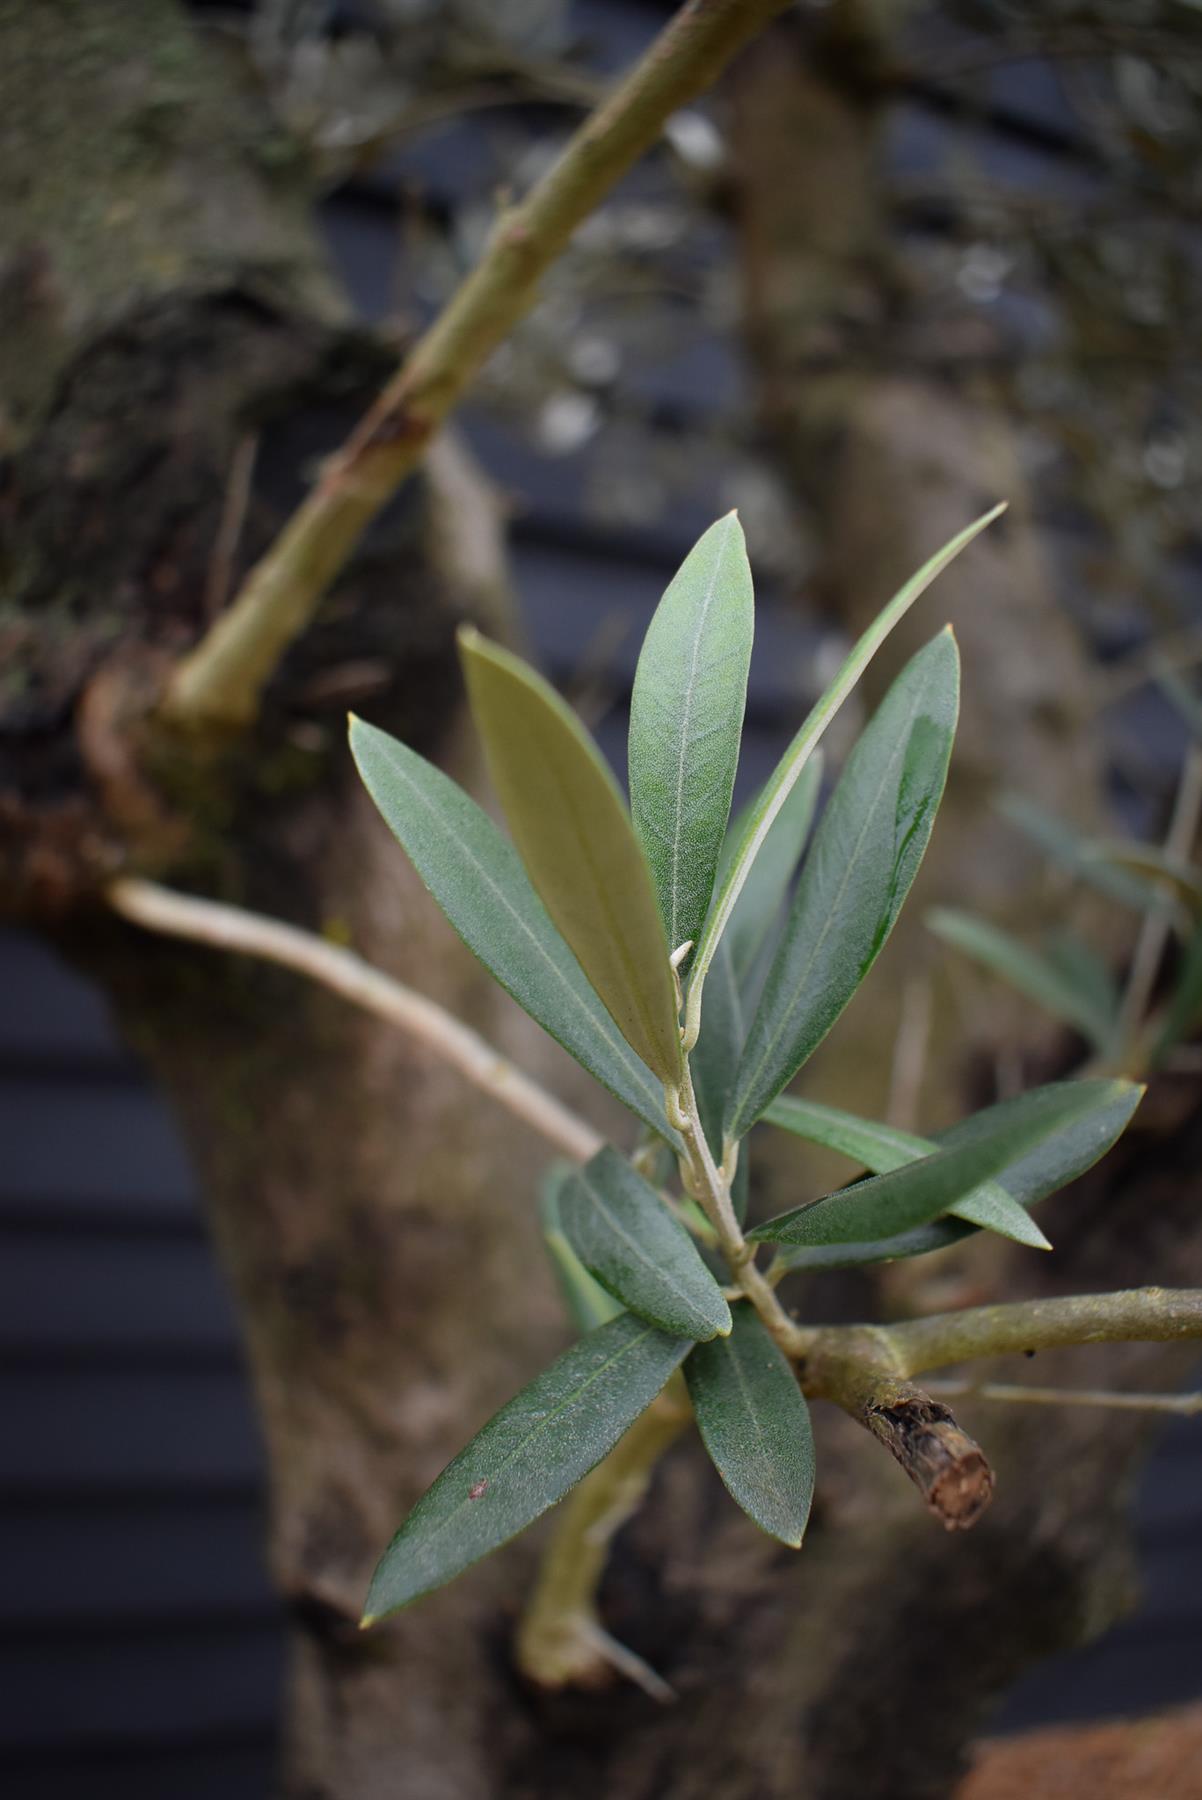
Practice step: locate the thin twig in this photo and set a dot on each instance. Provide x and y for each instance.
(232, 928)
(1010, 1391)
(910, 1053)
(1154, 931)
(229, 530)
(221, 681)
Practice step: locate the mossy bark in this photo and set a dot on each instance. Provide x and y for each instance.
(164, 299)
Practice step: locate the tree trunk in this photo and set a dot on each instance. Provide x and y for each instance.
(164, 302)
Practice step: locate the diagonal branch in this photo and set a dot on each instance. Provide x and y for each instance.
(232, 928)
(221, 681)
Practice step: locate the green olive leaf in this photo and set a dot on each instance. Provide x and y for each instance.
(586, 1300)
(866, 852)
(795, 758)
(526, 1458)
(686, 720)
(573, 833)
(477, 879)
(886, 1205)
(883, 1147)
(1048, 983)
(755, 1424)
(1029, 1178)
(761, 901)
(629, 1241)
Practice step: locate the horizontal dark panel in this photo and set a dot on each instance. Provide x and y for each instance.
(1170, 1488)
(64, 1693)
(238, 1767)
(125, 1430)
(64, 1291)
(94, 1149)
(48, 1009)
(107, 1566)
(1122, 1675)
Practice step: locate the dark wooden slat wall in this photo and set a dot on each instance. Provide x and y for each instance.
(140, 1643)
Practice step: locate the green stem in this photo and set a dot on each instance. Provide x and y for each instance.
(709, 1185)
(220, 683)
(560, 1641)
(1138, 1315)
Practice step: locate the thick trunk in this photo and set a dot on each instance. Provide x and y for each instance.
(376, 1218)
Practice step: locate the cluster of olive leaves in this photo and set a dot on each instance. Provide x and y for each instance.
(605, 924)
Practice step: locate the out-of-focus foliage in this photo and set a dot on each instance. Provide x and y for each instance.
(1040, 201)
(1095, 269)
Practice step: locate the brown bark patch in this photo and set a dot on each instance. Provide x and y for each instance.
(948, 1468)
(1132, 1759)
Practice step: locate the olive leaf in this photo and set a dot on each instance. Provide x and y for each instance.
(866, 853)
(574, 835)
(795, 758)
(755, 1425)
(477, 879)
(526, 1458)
(887, 1204)
(686, 719)
(626, 1237)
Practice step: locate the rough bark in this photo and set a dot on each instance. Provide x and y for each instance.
(374, 1219)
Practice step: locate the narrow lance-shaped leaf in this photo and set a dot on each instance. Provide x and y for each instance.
(1080, 855)
(715, 1059)
(865, 854)
(883, 1148)
(574, 835)
(887, 1204)
(1048, 984)
(1185, 1008)
(587, 1302)
(798, 754)
(1076, 960)
(755, 1424)
(1031, 1177)
(626, 1237)
(478, 881)
(763, 896)
(686, 719)
(526, 1458)
(1166, 881)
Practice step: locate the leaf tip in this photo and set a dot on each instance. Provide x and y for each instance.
(368, 1620)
